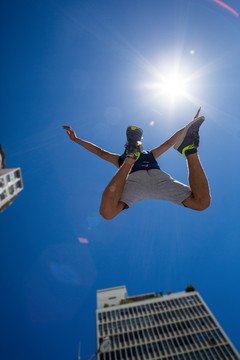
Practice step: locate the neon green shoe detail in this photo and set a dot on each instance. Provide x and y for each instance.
(189, 147)
(134, 152)
(189, 139)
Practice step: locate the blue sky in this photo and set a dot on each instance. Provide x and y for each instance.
(92, 64)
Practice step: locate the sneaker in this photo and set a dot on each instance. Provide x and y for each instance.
(189, 140)
(134, 134)
(133, 150)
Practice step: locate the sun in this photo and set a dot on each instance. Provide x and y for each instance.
(174, 86)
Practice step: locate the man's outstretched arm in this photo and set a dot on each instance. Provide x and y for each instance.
(170, 142)
(103, 154)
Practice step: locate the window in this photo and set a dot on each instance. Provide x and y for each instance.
(121, 339)
(140, 334)
(219, 334)
(136, 336)
(112, 356)
(161, 347)
(8, 177)
(198, 356)
(155, 332)
(134, 352)
(17, 174)
(160, 331)
(3, 195)
(139, 350)
(2, 182)
(126, 338)
(128, 350)
(155, 348)
(166, 346)
(123, 354)
(180, 342)
(174, 328)
(150, 349)
(146, 334)
(176, 345)
(116, 341)
(230, 350)
(170, 344)
(214, 353)
(209, 354)
(204, 356)
(192, 356)
(145, 350)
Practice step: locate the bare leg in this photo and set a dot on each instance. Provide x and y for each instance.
(111, 204)
(200, 198)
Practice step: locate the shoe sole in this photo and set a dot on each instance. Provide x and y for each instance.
(182, 137)
(134, 134)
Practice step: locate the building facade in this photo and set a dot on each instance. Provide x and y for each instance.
(10, 186)
(177, 326)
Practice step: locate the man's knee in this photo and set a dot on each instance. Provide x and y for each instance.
(198, 204)
(203, 203)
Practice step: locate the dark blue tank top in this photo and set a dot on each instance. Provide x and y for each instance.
(146, 161)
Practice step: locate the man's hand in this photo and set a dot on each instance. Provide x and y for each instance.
(70, 132)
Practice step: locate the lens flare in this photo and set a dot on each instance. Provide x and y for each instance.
(221, 3)
(83, 240)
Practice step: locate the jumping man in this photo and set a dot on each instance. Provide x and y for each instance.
(140, 178)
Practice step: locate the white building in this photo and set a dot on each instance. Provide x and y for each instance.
(10, 185)
(177, 326)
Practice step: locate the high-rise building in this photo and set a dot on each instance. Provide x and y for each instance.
(176, 326)
(11, 183)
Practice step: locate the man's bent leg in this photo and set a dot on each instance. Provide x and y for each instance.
(111, 205)
(200, 198)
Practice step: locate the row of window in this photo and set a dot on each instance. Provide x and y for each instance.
(9, 177)
(176, 327)
(160, 318)
(10, 190)
(151, 351)
(148, 309)
(185, 342)
(156, 333)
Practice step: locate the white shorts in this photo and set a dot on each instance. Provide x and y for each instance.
(153, 184)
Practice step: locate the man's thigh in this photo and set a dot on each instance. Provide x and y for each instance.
(164, 187)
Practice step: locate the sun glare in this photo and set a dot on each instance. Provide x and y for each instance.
(174, 86)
